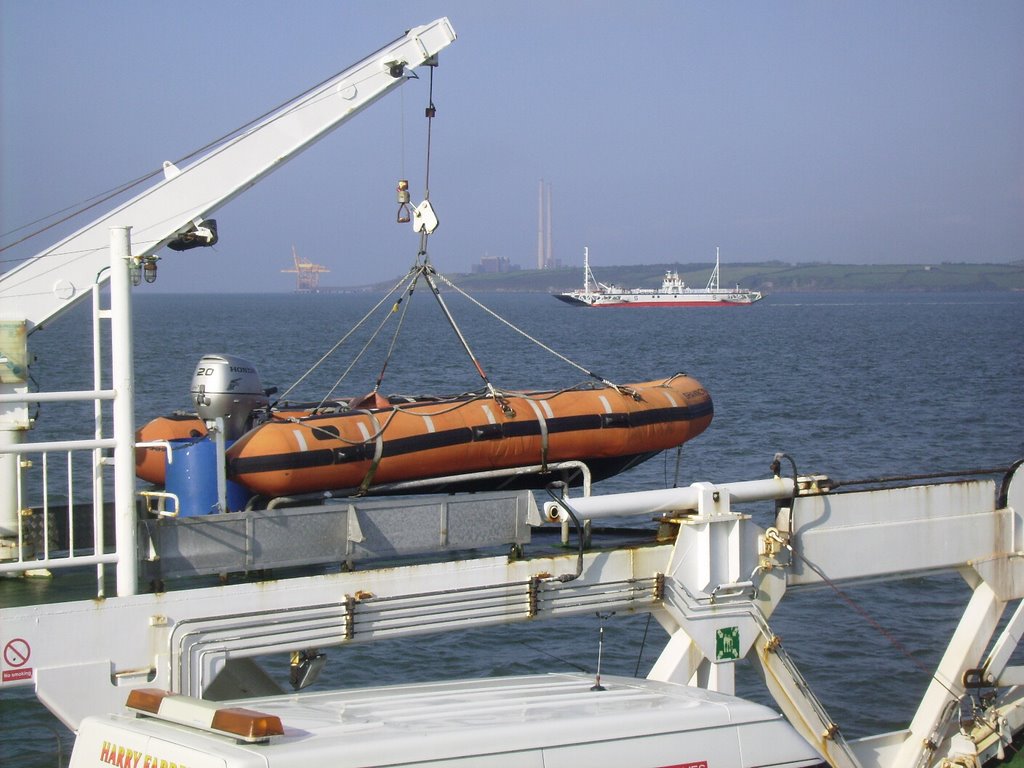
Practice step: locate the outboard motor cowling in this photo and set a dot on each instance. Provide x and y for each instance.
(228, 387)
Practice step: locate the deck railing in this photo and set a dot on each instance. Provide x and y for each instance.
(53, 530)
(43, 530)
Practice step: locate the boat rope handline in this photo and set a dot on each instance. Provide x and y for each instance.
(447, 405)
(343, 339)
(450, 404)
(539, 396)
(325, 432)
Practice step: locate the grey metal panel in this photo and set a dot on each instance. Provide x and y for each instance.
(349, 531)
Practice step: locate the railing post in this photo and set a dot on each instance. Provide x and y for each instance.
(123, 385)
(14, 421)
(98, 469)
(9, 511)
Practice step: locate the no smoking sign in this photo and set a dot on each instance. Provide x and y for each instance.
(15, 656)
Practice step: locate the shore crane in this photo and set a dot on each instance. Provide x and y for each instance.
(307, 274)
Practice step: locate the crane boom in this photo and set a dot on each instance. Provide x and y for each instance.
(55, 279)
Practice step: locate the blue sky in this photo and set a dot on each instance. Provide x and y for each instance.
(849, 132)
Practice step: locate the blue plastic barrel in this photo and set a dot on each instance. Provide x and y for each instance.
(192, 477)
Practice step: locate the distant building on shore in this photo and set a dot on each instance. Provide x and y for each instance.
(494, 264)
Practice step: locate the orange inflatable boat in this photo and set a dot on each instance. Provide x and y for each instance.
(150, 463)
(606, 427)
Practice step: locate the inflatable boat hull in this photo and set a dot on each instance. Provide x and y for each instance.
(609, 429)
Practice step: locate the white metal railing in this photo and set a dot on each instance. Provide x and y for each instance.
(35, 549)
(48, 486)
(44, 473)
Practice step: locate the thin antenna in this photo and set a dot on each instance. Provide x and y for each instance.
(600, 652)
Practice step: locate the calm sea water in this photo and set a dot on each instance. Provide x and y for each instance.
(850, 385)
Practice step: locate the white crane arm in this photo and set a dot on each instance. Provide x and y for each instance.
(55, 279)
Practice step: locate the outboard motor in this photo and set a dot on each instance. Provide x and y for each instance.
(228, 387)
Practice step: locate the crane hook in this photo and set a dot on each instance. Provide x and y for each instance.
(404, 211)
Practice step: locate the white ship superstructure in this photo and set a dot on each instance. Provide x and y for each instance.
(673, 292)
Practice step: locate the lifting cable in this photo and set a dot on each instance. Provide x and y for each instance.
(380, 327)
(491, 391)
(429, 112)
(342, 340)
(406, 285)
(430, 273)
(422, 267)
(422, 263)
(530, 338)
(394, 337)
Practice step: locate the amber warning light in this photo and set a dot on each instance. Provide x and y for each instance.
(245, 724)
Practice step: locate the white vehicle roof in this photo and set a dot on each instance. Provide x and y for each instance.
(547, 720)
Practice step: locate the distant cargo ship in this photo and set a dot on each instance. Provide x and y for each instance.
(673, 292)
